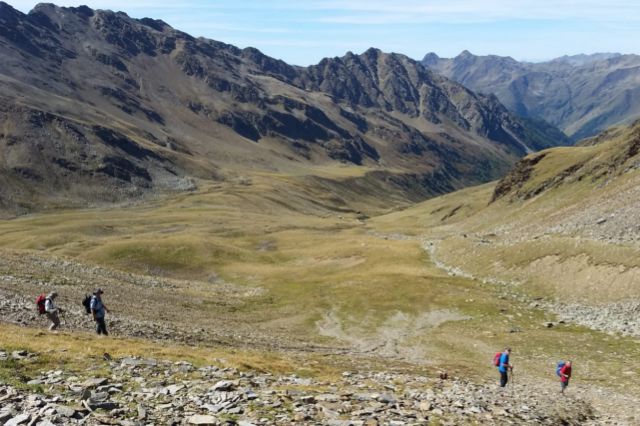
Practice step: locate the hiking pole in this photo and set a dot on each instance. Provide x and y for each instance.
(513, 382)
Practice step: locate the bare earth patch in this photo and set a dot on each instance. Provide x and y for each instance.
(399, 336)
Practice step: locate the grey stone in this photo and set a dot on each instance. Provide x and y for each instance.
(223, 386)
(328, 397)
(425, 406)
(18, 420)
(335, 422)
(364, 397)
(213, 408)
(98, 397)
(199, 419)
(19, 354)
(95, 382)
(86, 394)
(130, 362)
(65, 411)
(308, 399)
(103, 405)
(142, 412)
(386, 399)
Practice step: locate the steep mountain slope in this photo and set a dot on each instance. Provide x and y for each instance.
(582, 94)
(97, 106)
(602, 159)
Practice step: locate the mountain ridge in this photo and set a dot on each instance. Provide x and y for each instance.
(136, 107)
(581, 94)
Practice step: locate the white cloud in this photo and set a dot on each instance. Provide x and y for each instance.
(457, 11)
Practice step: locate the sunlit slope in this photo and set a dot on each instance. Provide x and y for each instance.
(268, 262)
(563, 223)
(236, 267)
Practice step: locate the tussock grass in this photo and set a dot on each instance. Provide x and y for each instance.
(310, 261)
(77, 351)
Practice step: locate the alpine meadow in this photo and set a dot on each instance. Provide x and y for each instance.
(195, 233)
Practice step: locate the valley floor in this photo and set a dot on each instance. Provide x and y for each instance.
(281, 299)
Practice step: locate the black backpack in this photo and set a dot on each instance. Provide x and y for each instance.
(86, 302)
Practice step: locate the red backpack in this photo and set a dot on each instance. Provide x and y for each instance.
(496, 359)
(41, 301)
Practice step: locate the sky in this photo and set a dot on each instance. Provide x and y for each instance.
(302, 32)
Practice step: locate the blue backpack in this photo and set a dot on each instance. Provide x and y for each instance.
(559, 367)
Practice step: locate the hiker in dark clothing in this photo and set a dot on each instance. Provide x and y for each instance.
(52, 311)
(504, 367)
(565, 375)
(98, 310)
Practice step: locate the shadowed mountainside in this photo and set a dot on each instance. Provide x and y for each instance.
(98, 107)
(581, 94)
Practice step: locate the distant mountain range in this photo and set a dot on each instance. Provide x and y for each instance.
(582, 94)
(97, 106)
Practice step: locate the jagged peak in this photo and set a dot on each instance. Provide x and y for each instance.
(52, 9)
(372, 51)
(45, 8)
(431, 57)
(156, 24)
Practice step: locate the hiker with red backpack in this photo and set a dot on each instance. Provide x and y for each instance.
(46, 305)
(501, 360)
(563, 370)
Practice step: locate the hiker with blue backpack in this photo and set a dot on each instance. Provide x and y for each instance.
(98, 309)
(563, 370)
(501, 360)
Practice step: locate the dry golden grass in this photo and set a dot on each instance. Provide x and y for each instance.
(311, 262)
(78, 350)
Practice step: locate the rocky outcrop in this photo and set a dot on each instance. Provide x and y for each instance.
(133, 391)
(517, 177)
(601, 159)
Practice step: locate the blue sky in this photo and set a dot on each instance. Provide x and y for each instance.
(304, 31)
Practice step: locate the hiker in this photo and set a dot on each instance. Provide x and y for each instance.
(98, 310)
(504, 367)
(52, 311)
(565, 374)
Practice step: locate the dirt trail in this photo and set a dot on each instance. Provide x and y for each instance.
(613, 408)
